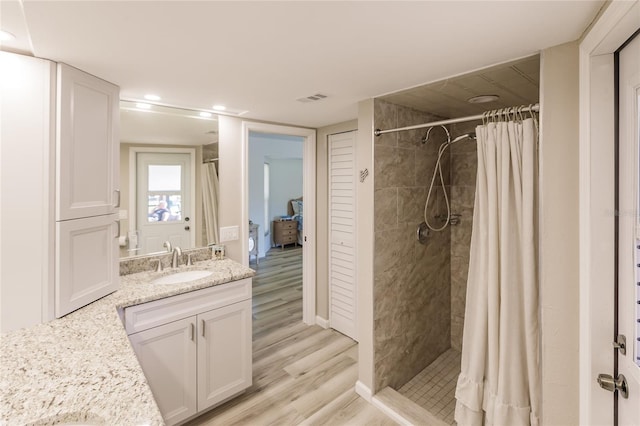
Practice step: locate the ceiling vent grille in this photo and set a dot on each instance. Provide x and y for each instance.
(312, 98)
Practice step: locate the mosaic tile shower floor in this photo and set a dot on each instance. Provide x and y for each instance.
(434, 387)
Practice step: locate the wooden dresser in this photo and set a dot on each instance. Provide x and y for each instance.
(285, 232)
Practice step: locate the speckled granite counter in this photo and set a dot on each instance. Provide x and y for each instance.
(81, 367)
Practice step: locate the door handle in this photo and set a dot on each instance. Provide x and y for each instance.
(117, 193)
(607, 382)
(117, 222)
(202, 327)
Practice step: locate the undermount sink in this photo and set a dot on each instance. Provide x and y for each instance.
(182, 277)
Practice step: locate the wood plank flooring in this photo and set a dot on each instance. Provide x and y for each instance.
(302, 375)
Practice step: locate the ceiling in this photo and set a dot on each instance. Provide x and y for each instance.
(515, 83)
(260, 57)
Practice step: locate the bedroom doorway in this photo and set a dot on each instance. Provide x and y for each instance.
(285, 208)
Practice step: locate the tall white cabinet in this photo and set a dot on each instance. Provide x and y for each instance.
(59, 197)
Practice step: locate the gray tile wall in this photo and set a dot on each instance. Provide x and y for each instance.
(412, 292)
(463, 189)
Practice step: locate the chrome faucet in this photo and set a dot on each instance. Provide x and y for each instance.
(175, 259)
(167, 245)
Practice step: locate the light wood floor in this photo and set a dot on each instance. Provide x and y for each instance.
(301, 374)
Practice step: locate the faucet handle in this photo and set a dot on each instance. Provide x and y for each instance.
(189, 261)
(159, 267)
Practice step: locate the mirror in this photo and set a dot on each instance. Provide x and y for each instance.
(168, 177)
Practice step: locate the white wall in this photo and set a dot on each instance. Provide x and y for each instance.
(230, 170)
(559, 245)
(27, 163)
(365, 243)
(285, 184)
(284, 154)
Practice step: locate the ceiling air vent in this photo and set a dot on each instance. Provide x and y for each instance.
(312, 98)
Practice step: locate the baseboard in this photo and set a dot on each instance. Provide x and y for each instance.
(322, 322)
(364, 391)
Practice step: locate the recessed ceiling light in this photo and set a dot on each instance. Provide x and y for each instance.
(483, 99)
(152, 97)
(219, 107)
(141, 105)
(205, 114)
(6, 35)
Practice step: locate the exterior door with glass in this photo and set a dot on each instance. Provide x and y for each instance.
(163, 200)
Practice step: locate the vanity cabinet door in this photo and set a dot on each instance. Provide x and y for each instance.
(87, 143)
(167, 355)
(224, 353)
(86, 261)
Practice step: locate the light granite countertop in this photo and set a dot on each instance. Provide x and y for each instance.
(81, 368)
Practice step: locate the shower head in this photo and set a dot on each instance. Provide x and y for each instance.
(466, 135)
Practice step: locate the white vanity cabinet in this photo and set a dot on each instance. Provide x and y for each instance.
(194, 348)
(59, 170)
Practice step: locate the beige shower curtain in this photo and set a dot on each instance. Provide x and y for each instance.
(499, 383)
(210, 201)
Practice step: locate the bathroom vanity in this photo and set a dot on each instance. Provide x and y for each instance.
(114, 360)
(194, 348)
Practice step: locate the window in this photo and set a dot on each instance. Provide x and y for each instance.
(164, 196)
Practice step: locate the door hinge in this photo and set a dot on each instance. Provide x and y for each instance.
(607, 382)
(621, 344)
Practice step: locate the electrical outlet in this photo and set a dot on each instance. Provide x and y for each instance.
(229, 233)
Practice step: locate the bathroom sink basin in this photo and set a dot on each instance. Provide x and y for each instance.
(182, 277)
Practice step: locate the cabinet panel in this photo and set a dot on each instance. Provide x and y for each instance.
(167, 355)
(224, 353)
(158, 312)
(87, 145)
(87, 259)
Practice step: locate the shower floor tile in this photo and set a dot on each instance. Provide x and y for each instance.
(434, 387)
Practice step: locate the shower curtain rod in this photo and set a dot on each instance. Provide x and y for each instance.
(378, 132)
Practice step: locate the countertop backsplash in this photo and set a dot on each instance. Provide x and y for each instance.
(133, 265)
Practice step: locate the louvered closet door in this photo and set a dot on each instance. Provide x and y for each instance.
(342, 271)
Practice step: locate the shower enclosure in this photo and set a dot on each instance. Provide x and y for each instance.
(420, 289)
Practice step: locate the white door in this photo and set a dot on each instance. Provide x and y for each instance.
(163, 200)
(167, 355)
(342, 213)
(224, 353)
(87, 261)
(629, 231)
(88, 145)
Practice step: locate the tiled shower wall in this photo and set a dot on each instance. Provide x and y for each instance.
(464, 163)
(412, 293)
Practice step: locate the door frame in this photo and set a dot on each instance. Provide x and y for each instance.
(597, 172)
(133, 181)
(309, 196)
